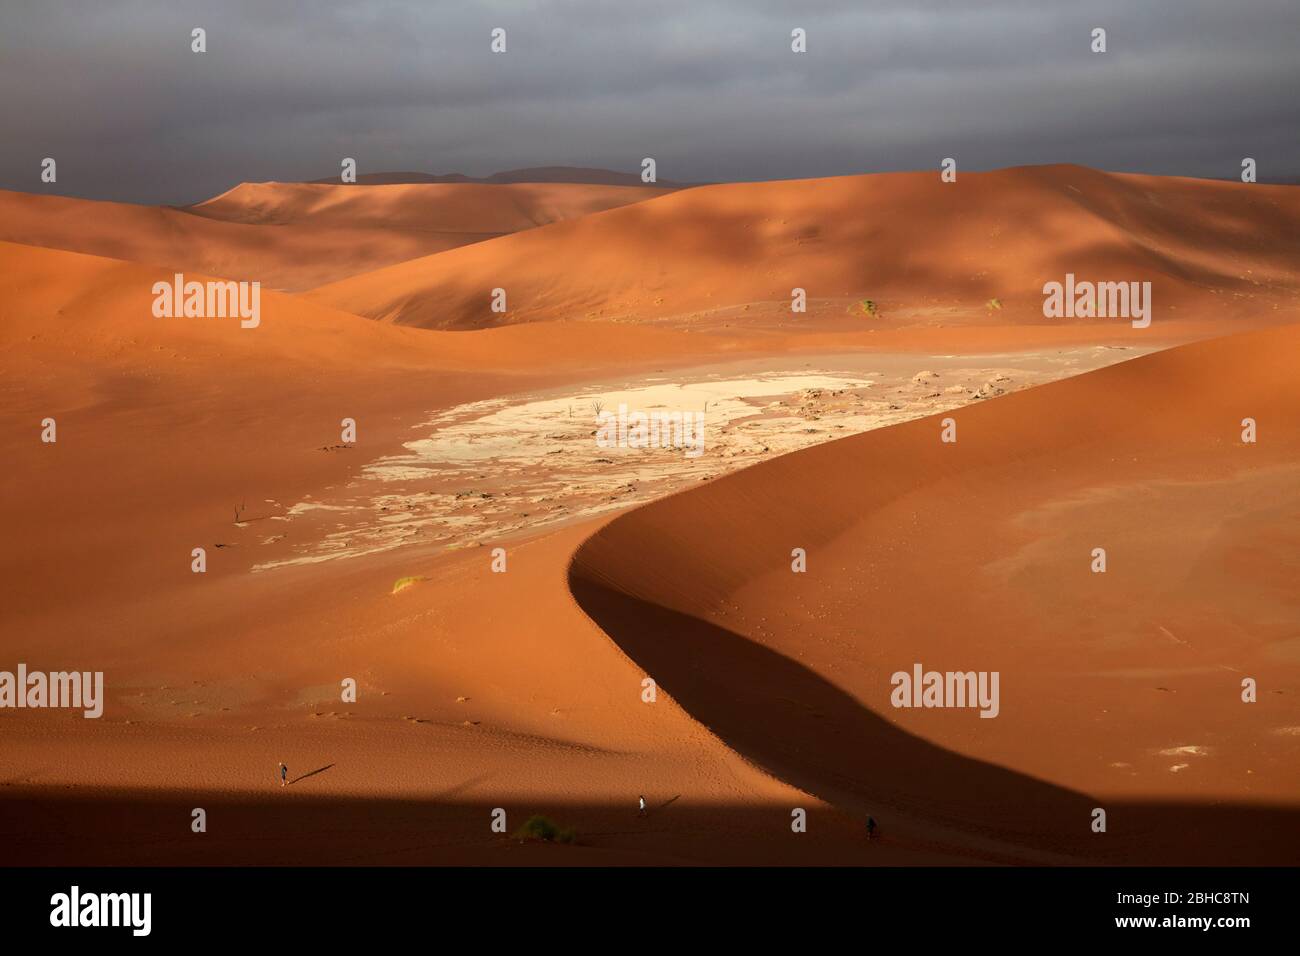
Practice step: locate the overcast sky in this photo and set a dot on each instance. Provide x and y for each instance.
(113, 92)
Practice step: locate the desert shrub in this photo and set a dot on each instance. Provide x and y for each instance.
(868, 306)
(541, 828)
(538, 827)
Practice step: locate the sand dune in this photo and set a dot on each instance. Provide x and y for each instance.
(926, 252)
(167, 420)
(532, 174)
(481, 689)
(469, 208)
(294, 236)
(1119, 690)
(165, 427)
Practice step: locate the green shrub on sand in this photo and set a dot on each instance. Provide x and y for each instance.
(540, 828)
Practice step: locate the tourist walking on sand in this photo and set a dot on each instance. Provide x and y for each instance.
(871, 828)
(641, 805)
(284, 774)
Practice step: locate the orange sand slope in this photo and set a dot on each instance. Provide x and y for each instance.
(478, 689)
(925, 251)
(68, 317)
(164, 426)
(79, 343)
(162, 420)
(1119, 690)
(532, 174)
(294, 236)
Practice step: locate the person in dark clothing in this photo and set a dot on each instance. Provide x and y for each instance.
(284, 774)
(871, 828)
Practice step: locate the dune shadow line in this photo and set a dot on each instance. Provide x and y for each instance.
(808, 732)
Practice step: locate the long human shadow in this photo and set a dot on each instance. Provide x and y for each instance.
(806, 731)
(310, 773)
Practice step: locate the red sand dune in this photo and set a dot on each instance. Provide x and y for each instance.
(533, 174)
(465, 208)
(483, 690)
(164, 418)
(295, 236)
(164, 426)
(925, 251)
(1118, 690)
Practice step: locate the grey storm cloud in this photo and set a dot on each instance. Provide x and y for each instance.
(710, 89)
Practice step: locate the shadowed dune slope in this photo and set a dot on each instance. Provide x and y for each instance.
(452, 208)
(160, 417)
(294, 236)
(1118, 690)
(531, 174)
(63, 311)
(908, 241)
